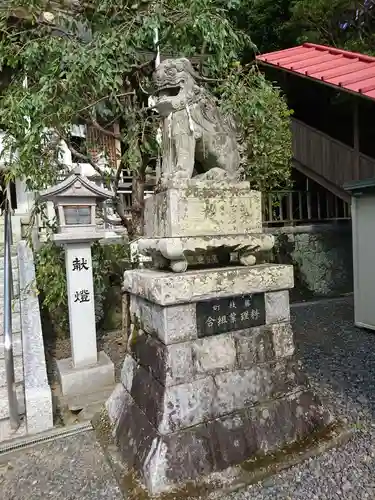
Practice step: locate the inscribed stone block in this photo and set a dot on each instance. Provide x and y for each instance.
(203, 208)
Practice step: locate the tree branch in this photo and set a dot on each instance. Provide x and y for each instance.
(103, 98)
(116, 200)
(83, 157)
(126, 221)
(105, 131)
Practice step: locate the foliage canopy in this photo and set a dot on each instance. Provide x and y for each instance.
(86, 63)
(278, 24)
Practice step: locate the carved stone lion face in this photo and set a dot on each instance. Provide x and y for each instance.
(174, 81)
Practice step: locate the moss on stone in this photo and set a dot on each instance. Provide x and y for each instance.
(249, 472)
(103, 428)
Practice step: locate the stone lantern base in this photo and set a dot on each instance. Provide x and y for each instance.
(83, 386)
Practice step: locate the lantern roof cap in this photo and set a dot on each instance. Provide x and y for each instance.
(76, 186)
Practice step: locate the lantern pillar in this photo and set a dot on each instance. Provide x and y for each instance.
(87, 371)
(87, 377)
(80, 288)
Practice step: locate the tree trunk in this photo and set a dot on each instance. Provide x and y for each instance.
(137, 210)
(126, 320)
(136, 230)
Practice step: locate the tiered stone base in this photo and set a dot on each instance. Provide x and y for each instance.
(190, 405)
(167, 461)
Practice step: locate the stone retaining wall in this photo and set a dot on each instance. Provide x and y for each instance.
(322, 257)
(38, 396)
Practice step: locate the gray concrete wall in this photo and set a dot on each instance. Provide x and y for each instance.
(321, 255)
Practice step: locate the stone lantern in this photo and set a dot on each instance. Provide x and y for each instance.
(87, 371)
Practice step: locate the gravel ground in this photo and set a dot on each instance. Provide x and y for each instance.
(340, 360)
(69, 468)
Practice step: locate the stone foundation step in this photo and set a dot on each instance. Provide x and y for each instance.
(4, 406)
(17, 345)
(7, 434)
(16, 289)
(16, 323)
(88, 403)
(13, 249)
(18, 371)
(15, 305)
(14, 259)
(16, 285)
(14, 273)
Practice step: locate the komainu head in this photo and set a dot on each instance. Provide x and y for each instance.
(175, 85)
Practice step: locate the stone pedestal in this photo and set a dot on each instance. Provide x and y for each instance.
(210, 379)
(192, 221)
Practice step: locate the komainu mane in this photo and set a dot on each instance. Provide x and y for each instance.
(198, 140)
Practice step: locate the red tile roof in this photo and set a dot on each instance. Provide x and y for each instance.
(349, 71)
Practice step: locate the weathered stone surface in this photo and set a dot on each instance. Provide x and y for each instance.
(115, 405)
(309, 413)
(166, 288)
(162, 460)
(321, 254)
(38, 397)
(277, 307)
(283, 340)
(166, 461)
(128, 371)
(170, 324)
(173, 386)
(186, 405)
(275, 424)
(242, 388)
(263, 343)
(187, 361)
(287, 420)
(201, 208)
(254, 345)
(232, 439)
(165, 251)
(214, 354)
(148, 394)
(133, 433)
(170, 365)
(180, 363)
(171, 408)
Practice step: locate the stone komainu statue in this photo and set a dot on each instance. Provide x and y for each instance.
(197, 139)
